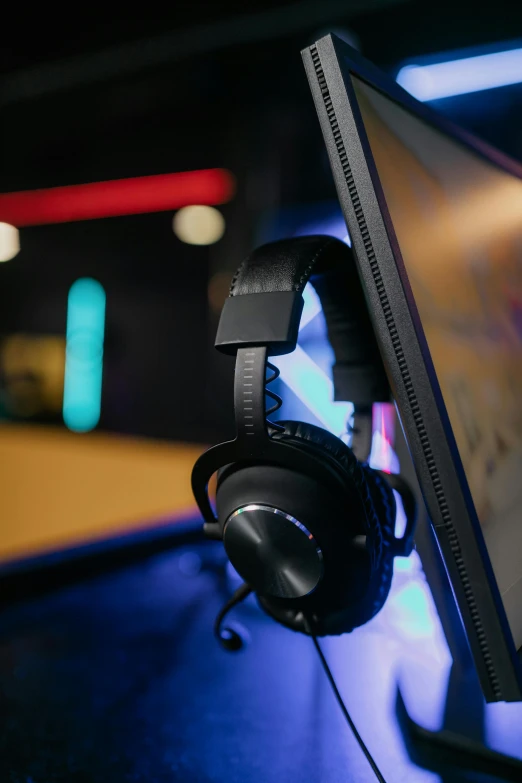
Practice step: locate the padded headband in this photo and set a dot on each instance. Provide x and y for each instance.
(265, 304)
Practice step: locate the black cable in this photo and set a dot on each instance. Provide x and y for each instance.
(229, 638)
(342, 705)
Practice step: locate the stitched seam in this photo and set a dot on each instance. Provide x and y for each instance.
(302, 280)
(236, 276)
(306, 274)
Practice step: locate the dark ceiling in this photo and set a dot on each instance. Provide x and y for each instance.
(77, 91)
(388, 29)
(100, 95)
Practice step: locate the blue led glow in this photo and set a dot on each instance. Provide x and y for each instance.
(311, 306)
(402, 565)
(315, 389)
(382, 456)
(332, 226)
(84, 355)
(461, 76)
(412, 610)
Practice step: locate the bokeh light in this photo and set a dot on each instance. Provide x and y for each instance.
(84, 355)
(199, 225)
(9, 242)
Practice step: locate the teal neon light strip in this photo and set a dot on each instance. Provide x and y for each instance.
(84, 355)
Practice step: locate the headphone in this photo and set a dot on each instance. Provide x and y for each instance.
(306, 523)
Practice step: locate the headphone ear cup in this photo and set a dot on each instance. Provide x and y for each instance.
(381, 509)
(377, 502)
(379, 525)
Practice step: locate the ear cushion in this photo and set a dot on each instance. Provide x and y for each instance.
(379, 504)
(385, 511)
(309, 434)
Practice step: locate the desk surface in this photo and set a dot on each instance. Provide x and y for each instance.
(119, 678)
(60, 489)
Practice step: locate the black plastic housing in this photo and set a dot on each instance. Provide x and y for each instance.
(270, 319)
(334, 519)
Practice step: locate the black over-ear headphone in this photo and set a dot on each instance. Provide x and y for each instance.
(308, 526)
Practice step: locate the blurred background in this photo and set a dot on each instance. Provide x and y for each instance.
(142, 157)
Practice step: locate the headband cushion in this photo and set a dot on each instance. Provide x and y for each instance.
(265, 302)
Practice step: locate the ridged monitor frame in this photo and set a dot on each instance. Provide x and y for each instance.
(490, 679)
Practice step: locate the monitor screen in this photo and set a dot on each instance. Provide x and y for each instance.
(458, 222)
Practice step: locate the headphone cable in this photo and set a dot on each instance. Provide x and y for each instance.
(344, 710)
(230, 638)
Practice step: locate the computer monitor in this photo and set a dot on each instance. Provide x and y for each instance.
(435, 218)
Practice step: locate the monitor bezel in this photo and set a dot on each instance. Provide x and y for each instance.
(404, 348)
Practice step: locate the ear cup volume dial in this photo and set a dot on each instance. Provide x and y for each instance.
(274, 553)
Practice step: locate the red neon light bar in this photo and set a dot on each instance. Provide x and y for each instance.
(133, 196)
